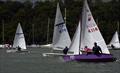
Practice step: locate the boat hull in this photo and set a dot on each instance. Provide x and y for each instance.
(90, 58)
(14, 50)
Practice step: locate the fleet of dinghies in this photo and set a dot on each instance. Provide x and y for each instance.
(87, 33)
(114, 43)
(19, 43)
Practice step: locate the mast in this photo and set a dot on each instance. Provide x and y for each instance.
(80, 37)
(81, 25)
(33, 34)
(3, 39)
(65, 15)
(48, 30)
(118, 27)
(97, 21)
(33, 42)
(64, 3)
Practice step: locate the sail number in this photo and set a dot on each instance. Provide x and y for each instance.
(92, 29)
(61, 28)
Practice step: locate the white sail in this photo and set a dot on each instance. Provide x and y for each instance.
(75, 44)
(61, 37)
(115, 40)
(19, 39)
(90, 32)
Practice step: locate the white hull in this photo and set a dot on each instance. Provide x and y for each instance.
(46, 46)
(15, 50)
(51, 46)
(11, 50)
(33, 46)
(54, 54)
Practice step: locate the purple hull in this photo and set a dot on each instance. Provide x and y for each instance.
(90, 58)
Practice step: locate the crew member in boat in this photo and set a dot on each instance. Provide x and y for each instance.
(65, 50)
(19, 48)
(87, 50)
(112, 46)
(96, 49)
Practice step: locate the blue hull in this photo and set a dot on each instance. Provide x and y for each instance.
(90, 58)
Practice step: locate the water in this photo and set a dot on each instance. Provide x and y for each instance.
(34, 62)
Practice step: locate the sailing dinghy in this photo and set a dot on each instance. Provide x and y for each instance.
(87, 34)
(114, 43)
(19, 44)
(61, 38)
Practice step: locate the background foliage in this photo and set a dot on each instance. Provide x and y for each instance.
(12, 12)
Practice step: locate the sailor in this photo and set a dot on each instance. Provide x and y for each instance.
(19, 48)
(87, 50)
(96, 49)
(65, 50)
(112, 46)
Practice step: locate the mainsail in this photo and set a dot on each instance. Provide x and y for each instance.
(61, 37)
(90, 32)
(19, 39)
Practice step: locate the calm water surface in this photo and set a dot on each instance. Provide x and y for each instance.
(34, 62)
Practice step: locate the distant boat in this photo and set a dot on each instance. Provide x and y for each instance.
(61, 38)
(19, 40)
(114, 43)
(87, 36)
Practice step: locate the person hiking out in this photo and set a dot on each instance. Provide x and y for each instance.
(96, 49)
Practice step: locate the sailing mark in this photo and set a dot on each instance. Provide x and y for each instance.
(61, 27)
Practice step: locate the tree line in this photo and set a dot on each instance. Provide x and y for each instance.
(107, 15)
